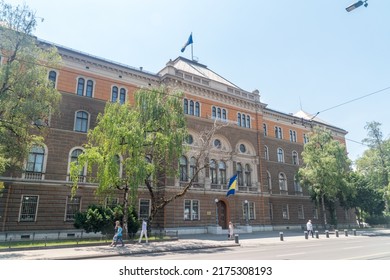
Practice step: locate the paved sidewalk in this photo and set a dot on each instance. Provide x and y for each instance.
(185, 242)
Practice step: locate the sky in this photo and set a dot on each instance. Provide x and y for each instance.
(301, 54)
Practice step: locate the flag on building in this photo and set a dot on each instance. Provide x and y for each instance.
(232, 185)
(189, 42)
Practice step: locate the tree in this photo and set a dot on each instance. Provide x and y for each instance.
(375, 162)
(27, 97)
(325, 171)
(134, 145)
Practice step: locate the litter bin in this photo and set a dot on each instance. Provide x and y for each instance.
(236, 238)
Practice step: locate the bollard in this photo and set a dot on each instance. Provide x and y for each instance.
(236, 238)
(281, 236)
(327, 233)
(337, 233)
(345, 232)
(354, 232)
(316, 232)
(306, 234)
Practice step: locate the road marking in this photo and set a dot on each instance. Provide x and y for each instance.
(295, 254)
(366, 257)
(349, 248)
(306, 246)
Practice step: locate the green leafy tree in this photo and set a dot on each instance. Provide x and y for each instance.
(325, 170)
(27, 98)
(135, 145)
(375, 162)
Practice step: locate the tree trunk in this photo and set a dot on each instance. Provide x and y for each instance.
(324, 210)
(125, 212)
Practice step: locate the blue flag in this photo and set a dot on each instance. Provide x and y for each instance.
(189, 42)
(232, 185)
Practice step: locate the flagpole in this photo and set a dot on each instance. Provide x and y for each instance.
(192, 51)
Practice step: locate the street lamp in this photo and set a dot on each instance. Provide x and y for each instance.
(246, 212)
(356, 5)
(216, 211)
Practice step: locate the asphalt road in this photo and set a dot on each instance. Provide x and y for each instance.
(357, 248)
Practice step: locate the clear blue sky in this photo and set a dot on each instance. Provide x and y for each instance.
(297, 53)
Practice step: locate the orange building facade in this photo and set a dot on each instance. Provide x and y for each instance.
(261, 145)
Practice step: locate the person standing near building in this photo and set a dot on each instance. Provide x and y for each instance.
(118, 235)
(144, 231)
(231, 229)
(309, 228)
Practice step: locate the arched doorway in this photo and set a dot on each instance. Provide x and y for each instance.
(222, 215)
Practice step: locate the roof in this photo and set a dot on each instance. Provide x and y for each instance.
(304, 115)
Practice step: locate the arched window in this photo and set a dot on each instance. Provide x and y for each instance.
(81, 123)
(80, 86)
(74, 158)
(89, 89)
(282, 182)
(193, 169)
(214, 112)
(222, 172)
(183, 169)
(243, 120)
(280, 155)
(35, 163)
(266, 153)
(122, 96)
(240, 178)
(248, 121)
(239, 119)
(224, 114)
(185, 106)
(248, 181)
(191, 107)
(295, 159)
(213, 172)
(114, 94)
(269, 181)
(197, 109)
(219, 116)
(53, 78)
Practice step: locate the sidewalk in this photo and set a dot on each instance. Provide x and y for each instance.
(185, 242)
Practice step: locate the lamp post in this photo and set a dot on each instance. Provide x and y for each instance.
(216, 211)
(356, 5)
(246, 212)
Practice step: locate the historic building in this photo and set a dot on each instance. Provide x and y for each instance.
(261, 145)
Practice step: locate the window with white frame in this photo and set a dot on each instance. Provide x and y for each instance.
(73, 205)
(74, 155)
(81, 121)
(118, 94)
(222, 172)
(295, 159)
(213, 172)
(247, 175)
(278, 132)
(248, 210)
(240, 176)
(144, 208)
(193, 169)
(183, 169)
(301, 213)
(305, 138)
(265, 129)
(266, 153)
(53, 78)
(191, 107)
(35, 163)
(293, 136)
(28, 208)
(280, 155)
(218, 113)
(85, 87)
(285, 212)
(282, 182)
(297, 185)
(191, 209)
(243, 120)
(269, 181)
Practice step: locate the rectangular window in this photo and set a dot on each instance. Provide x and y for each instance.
(28, 208)
(112, 202)
(144, 208)
(301, 214)
(293, 136)
(285, 212)
(248, 210)
(265, 129)
(278, 132)
(191, 210)
(73, 205)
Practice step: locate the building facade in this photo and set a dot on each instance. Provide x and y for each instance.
(262, 146)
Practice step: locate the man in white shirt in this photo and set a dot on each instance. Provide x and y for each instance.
(144, 231)
(309, 228)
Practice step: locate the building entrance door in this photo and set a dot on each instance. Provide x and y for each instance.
(221, 205)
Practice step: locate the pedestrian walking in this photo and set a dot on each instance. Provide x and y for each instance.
(231, 229)
(144, 231)
(309, 228)
(115, 234)
(119, 234)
